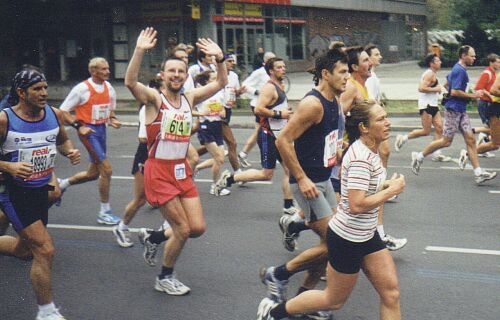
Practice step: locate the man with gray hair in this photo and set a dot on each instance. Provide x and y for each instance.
(94, 103)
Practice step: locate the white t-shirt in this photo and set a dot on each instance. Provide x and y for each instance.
(373, 86)
(254, 83)
(142, 123)
(233, 84)
(80, 94)
(361, 170)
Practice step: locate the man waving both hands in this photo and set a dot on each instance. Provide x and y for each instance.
(167, 175)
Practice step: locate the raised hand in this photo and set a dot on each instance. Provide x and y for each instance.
(210, 48)
(147, 39)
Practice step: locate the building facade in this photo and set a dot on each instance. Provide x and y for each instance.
(66, 33)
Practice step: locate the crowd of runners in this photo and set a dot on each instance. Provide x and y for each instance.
(333, 148)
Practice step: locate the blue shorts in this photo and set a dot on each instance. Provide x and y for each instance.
(95, 143)
(482, 109)
(269, 154)
(23, 213)
(346, 256)
(211, 132)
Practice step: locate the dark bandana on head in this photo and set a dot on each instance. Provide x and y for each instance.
(24, 79)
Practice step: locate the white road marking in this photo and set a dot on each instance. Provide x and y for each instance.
(494, 191)
(197, 180)
(463, 250)
(90, 228)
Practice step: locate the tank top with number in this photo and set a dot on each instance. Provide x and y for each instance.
(169, 133)
(316, 148)
(34, 143)
(270, 125)
(97, 109)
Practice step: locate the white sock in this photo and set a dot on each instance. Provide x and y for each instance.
(64, 184)
(420, 156)
(405, 138)
(46, 308)
(380, 229)
(243, 154)
(105, 207)
(122, 226)
(478, 171)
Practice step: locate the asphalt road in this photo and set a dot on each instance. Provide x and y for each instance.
(449, 270)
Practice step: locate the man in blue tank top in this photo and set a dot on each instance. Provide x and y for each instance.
(31, 133)
(310, 146)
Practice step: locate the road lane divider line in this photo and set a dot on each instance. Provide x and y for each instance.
(196, 180)
(463, 250)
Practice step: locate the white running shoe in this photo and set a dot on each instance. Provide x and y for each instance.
(244, 161)
(289, 239)
(400, 141)
(394, 244)
(150, 249)
(462, 159)
(107, 218)
(170, 285)
(485, 176)
(291, 211)
(219, 192)
(122, 237)
(276, 289)
(265, 307)
(486, 154)
(441, 158)
(55, 315)
(480, 138)
(415, 163)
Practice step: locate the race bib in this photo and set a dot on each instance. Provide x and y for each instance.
(332, 143)
(230, 96)
(180, 171)
(100, 113)
(175, 128)
(42, 159)
(214, 108)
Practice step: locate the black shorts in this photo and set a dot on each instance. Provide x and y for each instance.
(346, 256)
(227, 118)
(493, 110)
(429, 110)
(141, 155)
(24, 206)
(335, 184)
(211, 132)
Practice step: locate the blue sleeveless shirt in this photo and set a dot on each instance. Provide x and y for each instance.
(34, 143)
(316, 142)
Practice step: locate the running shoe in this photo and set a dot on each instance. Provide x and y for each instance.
(222, 182)
(441, 158)
(57, 203)
(264, 310)
(244, 161)
(170, 285)
(400, 141)
(289, 239)
(276, 289)
(485, 176)
(290, 211)
(150, 249)
(480, 138)
(462, 159)
(394, 244)
(222, 192)
(320, 315)
(486, 154)
(107, 218)
(54, 315)
(122, 237)
(415, 163)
